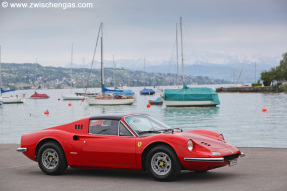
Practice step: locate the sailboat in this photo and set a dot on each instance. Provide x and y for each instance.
(37, 95)
(72, 96)
(10, 99)
(107, 96)
(146, 91)
(189, 96)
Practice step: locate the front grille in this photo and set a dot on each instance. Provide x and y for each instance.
(230, 157)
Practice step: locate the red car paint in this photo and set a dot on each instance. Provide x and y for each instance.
(84, 150)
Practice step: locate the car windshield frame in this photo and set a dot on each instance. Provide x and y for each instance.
(148, 127)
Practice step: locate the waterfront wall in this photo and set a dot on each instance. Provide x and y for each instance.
(272, 89)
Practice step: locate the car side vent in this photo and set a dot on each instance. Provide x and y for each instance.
(78, 126)
(205, 144)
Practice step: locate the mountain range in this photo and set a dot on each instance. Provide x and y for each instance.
(233, 68)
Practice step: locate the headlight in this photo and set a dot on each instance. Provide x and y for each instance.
(190, 145)
(221, 137)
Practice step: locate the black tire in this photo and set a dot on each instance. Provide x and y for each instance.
(162, 163)
(51, 159)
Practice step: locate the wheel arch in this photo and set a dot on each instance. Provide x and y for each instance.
(46, 140)
(149, 147)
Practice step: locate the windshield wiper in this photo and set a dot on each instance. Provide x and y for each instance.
(160, 131)
(172, 130)
(142, 132)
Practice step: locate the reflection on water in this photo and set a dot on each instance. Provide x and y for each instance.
(189, 117)
(239, 116)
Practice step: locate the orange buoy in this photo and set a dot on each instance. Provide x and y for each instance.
(148, 105)
(69, 104)
(264, 109)
(82, 100)
(46, 112)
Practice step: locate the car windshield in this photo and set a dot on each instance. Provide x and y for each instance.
(144, 125)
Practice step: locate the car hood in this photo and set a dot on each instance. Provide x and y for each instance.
(205, 141)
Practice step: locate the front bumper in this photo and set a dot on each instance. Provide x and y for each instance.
(22, 150)
(220, 159)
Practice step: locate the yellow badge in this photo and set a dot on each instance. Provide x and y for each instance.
(139, 144)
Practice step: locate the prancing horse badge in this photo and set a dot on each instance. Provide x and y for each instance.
(139, 144)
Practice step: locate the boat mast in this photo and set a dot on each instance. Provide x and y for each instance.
(84, 78)
(35, 76)
(177, 57)
(102, 62)
(72, 65)
(0, 74)
(181, 50)
(255, 73)
(115, 69)
(144, 73)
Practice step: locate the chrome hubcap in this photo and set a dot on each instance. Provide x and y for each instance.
(161, 163)
(50, 158)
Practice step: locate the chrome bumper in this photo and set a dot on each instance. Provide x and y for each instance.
(220, 159)
(204, 159)
(22, 150)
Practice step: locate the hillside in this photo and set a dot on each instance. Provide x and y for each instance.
(22, 76)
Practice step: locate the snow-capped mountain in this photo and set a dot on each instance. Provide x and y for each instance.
(232, 67)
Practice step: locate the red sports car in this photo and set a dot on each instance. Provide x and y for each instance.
(133, 142)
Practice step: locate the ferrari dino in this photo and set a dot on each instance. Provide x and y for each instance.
(128, 142)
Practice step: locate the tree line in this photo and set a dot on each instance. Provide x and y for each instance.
(276, 75)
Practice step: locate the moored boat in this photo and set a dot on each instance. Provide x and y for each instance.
(8, 99)
(39, 96)
(146, 91)
(73, 97)
(110, 100)
(108, 96)
(189, 97)
(11, 100)
(158, 101)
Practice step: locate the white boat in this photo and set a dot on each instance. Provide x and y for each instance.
(188, 97)
(11, 99)
(189, 103)
(72, 96)
(109, 100)
(113, 98)
(7, 99)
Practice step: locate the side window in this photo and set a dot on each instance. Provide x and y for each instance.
(104, 127)
(124, 131)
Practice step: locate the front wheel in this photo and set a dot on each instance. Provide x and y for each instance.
(51, 159)
(162, 163)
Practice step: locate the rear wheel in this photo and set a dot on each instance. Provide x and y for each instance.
(162, 163)
(51, 159)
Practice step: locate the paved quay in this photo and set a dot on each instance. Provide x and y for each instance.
(261, 169)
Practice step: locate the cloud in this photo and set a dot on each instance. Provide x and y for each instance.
(143, 29)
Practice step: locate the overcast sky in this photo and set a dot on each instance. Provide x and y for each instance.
(136, 29)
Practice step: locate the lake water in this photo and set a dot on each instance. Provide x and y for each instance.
(239, 117)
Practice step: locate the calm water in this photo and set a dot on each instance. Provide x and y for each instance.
(239, 117)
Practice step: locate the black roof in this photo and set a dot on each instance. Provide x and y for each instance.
(116, 116)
